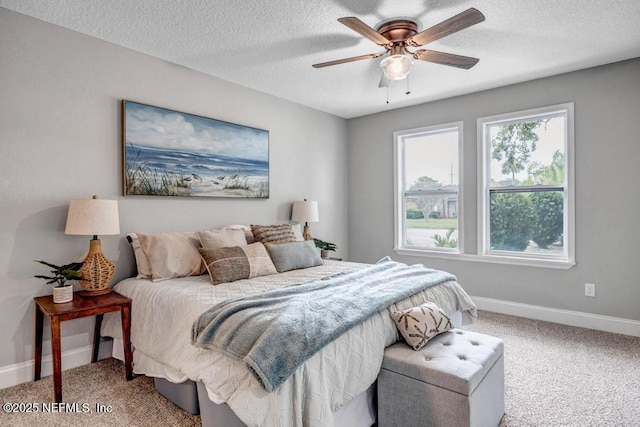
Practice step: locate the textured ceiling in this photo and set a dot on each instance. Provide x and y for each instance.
(269, 45)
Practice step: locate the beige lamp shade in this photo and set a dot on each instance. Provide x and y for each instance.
(91, 217)
(305, 211)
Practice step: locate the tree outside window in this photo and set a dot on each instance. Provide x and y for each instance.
(526, 184)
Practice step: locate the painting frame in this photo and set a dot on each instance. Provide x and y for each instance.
(171, 153)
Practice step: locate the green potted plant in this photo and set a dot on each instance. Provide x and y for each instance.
(325, 247)
(60, 275)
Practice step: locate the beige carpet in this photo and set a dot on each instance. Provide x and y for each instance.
(135, 403)
(558, 375)
(554, 376)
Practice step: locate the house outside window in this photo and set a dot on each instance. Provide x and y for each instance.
(526, 194)
(427, 188)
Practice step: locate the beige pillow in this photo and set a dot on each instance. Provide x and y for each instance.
(247, 231)
(297, 232)
(222, 238)
(142, 262)
(236, 263)
(279, 233)
(419, 324)
(172, 255)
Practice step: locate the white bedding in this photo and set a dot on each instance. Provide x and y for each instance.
(163, 314)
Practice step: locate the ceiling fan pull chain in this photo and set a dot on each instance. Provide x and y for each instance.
(408, 90)
(388, 94)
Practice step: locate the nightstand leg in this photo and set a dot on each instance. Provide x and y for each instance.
(56, 353)
(38, 348)
(96, 338)
(126, 340)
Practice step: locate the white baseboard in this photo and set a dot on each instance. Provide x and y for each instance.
(19, 373)
(566, 317)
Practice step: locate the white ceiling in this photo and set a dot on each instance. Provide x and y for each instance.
(269, 45)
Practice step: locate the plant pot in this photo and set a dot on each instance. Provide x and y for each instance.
(324, 254)
(62, 294)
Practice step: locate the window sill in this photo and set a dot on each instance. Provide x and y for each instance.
(492, 259)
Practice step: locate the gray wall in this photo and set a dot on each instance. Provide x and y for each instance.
(60, 114)
(607, 149)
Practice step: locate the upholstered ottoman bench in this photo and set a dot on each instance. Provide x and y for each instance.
(456, 379)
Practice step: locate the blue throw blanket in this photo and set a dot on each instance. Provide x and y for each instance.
(275, 332)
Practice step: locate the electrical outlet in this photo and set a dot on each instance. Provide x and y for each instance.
(589, 289)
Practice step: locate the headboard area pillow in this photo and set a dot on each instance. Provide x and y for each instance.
(236, 263)
(248, 234)
(279, 233)
(297, 231)
(292, 256)
(172, 255)
(222, 238)
(142, 262)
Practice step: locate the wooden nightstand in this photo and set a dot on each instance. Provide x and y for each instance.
(79, 307)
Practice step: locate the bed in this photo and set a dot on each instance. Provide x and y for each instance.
(332, 387)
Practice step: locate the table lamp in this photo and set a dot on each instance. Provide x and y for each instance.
(305, 211)
(88, 217)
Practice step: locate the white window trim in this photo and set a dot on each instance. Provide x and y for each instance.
(528, 262)
(483, 189)
(399, 205)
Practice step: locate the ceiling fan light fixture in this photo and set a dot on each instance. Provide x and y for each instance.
(396, 67)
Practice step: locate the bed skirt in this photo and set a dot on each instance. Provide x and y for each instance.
(361, 411)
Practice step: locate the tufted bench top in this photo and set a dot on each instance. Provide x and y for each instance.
(456, 360)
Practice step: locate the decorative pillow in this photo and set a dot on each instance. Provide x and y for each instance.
(291, 256)
(297, 231)
(247, 232)
(222, 238)
(419, 324)
(142, 262)
(279, 233)
(172, 254)
(238, 262)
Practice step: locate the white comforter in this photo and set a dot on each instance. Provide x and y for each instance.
(163, 314)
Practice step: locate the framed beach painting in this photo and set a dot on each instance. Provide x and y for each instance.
(169, 153)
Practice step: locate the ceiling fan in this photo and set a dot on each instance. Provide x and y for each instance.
(397, 35)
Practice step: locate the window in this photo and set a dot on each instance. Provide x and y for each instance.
(526, 206)
(427, 183)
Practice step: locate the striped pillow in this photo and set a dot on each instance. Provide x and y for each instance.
(237, 262)
(279, 233)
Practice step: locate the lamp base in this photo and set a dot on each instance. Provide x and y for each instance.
(94, 293)
(96, 270)
(306, 234)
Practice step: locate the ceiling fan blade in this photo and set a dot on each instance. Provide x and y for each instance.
(364, 30)
(452, 25)
(443, 58)
(345, 60)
